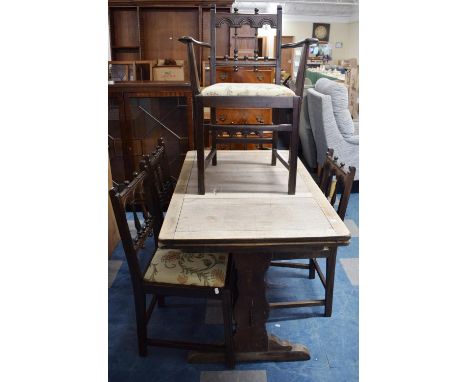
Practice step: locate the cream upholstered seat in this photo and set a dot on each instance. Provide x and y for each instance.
(171, 266)
(247, 89)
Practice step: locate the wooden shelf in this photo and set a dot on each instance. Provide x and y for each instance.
(149, 29)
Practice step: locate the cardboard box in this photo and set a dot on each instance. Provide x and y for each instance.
(168, 73)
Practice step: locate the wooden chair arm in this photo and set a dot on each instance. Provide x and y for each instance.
(190, 42)
(188, 39)
(308, 41)
(303, 62)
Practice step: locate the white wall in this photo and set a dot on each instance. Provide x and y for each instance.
(346, 33)
(353, 43)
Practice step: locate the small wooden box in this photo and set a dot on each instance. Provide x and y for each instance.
(168, 73)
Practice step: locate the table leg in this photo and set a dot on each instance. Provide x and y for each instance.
(251, 339)
(251, 309)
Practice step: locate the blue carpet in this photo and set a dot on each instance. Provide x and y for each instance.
(332, 342)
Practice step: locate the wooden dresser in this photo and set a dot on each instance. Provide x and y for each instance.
(241, 116)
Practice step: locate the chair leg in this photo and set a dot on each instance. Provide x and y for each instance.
(319, 170)
(293, 146)
(214, 135)
(274, 148)
(198, 111)
(140, 307)
(311, 269)
(228, 335)
(329, 282)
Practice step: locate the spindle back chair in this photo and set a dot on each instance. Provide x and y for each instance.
(157, 164)
(246, 95)
(157, 278)
(334, 180)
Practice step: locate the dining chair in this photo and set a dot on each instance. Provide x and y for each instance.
(158, 164)
(246, 95)
(334, 180)
(169, 272)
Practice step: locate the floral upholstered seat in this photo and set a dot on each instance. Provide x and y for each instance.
(171, 266)
(247, 89)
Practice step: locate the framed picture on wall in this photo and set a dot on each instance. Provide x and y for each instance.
(321, 31)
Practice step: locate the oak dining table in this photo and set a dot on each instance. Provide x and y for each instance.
(247, 212)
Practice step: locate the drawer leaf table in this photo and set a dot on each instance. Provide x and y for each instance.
(246, 212)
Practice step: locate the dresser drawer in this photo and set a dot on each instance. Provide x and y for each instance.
(262, 76)
(244, 75)
(224, 75)
(242, 146)
(243, 116)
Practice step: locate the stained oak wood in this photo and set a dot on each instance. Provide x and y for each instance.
(169, 102)
(161, 42)
(113, 237)
(143, 193)
(143, 29)
(237, 21)
(247, 212)
(334, 179)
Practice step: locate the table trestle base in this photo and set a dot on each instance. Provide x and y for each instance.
(278, 350)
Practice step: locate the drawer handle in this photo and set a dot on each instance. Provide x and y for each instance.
(222, 117)
(223, 76)
(260, 77)
(259, 119)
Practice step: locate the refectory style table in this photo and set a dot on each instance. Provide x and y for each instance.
(246, 211)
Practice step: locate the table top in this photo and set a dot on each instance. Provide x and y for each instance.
(246, 202)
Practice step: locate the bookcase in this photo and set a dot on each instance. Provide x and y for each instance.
(148, 30)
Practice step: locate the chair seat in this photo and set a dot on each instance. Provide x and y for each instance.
(247, 89)
(171, 266)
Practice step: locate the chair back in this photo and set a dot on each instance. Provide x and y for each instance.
(235, 21)
(334, 179)
(322, 124)
(136, 199)
(157, 165)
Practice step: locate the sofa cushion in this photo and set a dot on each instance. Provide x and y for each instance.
(171, 266)
(339, 98)
(247, 89)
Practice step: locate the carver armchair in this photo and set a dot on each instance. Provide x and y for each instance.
(246, 95)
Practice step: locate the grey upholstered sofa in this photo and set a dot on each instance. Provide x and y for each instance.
(326, 122)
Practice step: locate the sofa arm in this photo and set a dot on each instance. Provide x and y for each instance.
(354, 140)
